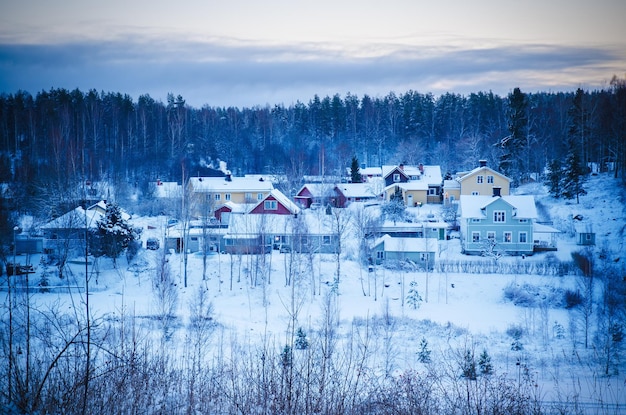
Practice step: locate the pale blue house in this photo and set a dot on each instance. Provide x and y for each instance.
(503, 224)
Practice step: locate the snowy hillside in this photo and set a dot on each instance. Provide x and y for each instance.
(399, 316)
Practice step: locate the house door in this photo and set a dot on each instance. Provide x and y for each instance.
(409, 200)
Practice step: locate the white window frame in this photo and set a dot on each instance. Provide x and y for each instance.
(259, 196)
(523, 235)
(523, 221)
(396, 177)
(480, 178)
(424, 256)
(270, 205)
(218, 196)
(227, 196)
(474, 220)
(475, 236)
(432, 191)
(491, 235)
(508, 234)
(326, 239)
(475, 193)
(499, 216)
(490, 179)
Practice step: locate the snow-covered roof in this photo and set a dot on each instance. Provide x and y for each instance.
(235, 184)
(391, 244)
(314, 223)
(282, 199)
(414, 185)
(168, 190)
(541, 228)
(318, 189)
(472, 206)
(451, 184)
(237, 207)
(75, 219)
(431, 174)
(463, 175)
(371, 171)
(357, 190)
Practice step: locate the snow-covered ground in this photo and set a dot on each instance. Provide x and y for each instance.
(457, 311)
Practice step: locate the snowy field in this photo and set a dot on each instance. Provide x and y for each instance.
(458, 312)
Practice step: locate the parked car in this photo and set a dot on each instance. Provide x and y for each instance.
(152, 244)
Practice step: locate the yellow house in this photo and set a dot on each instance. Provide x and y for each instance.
(413, 193)
(209, 193)
(482, 181)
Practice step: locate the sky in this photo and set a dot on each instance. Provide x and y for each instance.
(247, 53)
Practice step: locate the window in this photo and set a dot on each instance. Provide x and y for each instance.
(218, 196)
(475, 220)
(475, 193)
(490, 179)
(396, 177)
(522, 237)
(491, 235)
(270, 205)
(259, 196)
(432, 191)
(326, 239)
(248, 197)
(507, 237)
(479, 179)
(227, 196)
(499, 216)
(380, 254)
(475, 236)
(424, 256)
(230, 242)
(523, 221)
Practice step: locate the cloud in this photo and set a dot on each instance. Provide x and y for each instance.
(227, 72)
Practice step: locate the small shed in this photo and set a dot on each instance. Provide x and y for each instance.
(585, 234)
(418, 250)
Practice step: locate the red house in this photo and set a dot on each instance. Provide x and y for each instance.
(275, 203)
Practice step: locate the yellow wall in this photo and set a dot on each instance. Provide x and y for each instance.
(470, 185)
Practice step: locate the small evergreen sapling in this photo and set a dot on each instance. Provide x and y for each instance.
(424, 353)
(413, 297)
(301, 341)
(468, 368)
(484, 363)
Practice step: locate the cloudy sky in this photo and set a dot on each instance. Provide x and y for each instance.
(253, 52)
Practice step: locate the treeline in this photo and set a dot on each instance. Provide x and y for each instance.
(58, 138)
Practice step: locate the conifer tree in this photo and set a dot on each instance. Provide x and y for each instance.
(113, 233)
(511, 160)
(484, 363)
(355, 175)
(573, 176)
(553, 178)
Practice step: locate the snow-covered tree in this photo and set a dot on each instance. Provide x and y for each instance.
(394, 209)
(413, 297)
(113, 233)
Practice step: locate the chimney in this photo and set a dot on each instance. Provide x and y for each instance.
(401, 166)
(482, 163)
(228, 178)
(496, 191)
(421, 167)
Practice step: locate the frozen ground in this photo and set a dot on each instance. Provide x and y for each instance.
(457, 311)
